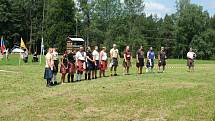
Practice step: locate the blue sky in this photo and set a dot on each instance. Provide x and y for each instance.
(162, 7)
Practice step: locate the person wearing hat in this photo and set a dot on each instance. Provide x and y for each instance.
(161, 59)
(103, 61)
(114, 56)
(190, 60)
(80, 63)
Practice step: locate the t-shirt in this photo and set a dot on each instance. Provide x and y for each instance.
(127, 55)
(55, 55)
(114, 53)
(80, 55)
(191, 55)
(48, 59)
(140, 54)
(162, 55)
(103, 56)
(151, 55)
(96, 54)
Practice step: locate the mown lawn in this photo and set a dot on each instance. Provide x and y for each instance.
(173, 95)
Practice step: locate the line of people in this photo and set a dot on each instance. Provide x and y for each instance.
(74, 65)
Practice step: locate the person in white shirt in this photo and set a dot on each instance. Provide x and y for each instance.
(48, 67)
(55, 65)
(114, 56)
(190, 60)
(96, 58)
(80, 63)
(103, 61)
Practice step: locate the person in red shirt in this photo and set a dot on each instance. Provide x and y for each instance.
(127, 60)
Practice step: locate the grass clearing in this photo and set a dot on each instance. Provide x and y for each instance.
(173, 95)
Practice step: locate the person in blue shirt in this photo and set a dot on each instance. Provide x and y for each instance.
(150, 59)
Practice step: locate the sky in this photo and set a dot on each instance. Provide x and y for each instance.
(163, 7)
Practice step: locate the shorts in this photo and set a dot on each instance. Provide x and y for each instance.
(190, 63)
(90, 66)
(141, 63)
(48, 73)
(97, 65)
(114, 62)
(162, 63)
(150, 65)
(127, 64)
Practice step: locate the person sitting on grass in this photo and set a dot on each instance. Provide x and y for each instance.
(64, 67)
(127, 60)
(161, 59)
(114, 57)
(190, 60)
(103, 61)
(150, 60)
(140, 60)
(48, 67)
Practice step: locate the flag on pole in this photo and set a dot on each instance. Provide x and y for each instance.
(2, 45)
(22, 44)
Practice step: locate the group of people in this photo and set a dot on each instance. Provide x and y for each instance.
(92, 63)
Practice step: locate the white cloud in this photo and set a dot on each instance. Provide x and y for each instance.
(156, 8)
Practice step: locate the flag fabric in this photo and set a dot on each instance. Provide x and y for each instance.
(2, 45)
(22, 44)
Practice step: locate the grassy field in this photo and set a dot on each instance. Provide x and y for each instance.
(173, 95)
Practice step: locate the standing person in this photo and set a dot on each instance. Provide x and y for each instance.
(114, 56)
(55, 65)
(103, 61)
(64, 67)
(162, 59)
(80, 62)
(48, 68)
(127, 60)
(190, 59)
(140, 60)
(96, 58)
(71, 67)
(90, 63)
(150, 59)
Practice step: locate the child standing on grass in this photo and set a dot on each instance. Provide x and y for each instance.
(55, 65)
(71, 67)
(80, 62)
(140, 60)
(127, 60)
(48, 67)
(150, 60)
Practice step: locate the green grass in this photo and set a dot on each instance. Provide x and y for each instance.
(173, 95)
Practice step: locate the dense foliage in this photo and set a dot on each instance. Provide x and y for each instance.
(104, 22)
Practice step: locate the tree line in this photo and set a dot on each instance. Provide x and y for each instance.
(104, 22)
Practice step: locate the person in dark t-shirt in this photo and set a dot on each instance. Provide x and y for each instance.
(140, 60)
(162, 59)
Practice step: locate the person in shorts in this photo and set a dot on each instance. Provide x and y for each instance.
(114, 56)
(103, 61)
(190, 60)
(140, 60)
(161, 59)
(48, 68)
(150, 60)
(127, 60)
(96, 58)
